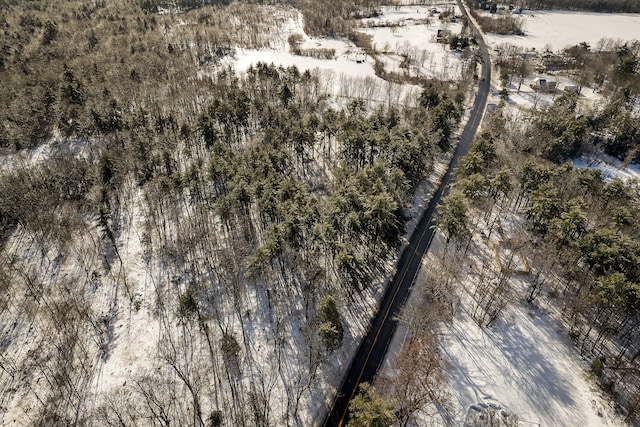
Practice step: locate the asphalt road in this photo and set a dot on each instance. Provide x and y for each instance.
(374, 346)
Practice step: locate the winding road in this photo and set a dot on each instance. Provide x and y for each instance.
(374, 346)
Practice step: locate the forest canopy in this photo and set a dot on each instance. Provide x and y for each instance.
(609, 6)
(146, 182)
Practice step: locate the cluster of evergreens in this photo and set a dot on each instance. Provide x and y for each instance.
(558, 133)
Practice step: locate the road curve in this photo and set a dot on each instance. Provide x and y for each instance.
(374, 346)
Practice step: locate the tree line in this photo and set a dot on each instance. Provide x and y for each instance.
(607, 6)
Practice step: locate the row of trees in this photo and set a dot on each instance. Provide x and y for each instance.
(609, 6)
(503, 24)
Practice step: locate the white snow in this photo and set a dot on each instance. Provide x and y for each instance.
(411, 30)
(431, 59)
(407, 14)
(611, 167)
(524, 364)
(135, 331)
(559, 29)
(527, 98)
(55, 146)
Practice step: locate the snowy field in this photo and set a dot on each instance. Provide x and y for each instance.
(555, 30)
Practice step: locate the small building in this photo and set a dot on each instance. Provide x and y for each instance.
(543, 85)
(360, 57)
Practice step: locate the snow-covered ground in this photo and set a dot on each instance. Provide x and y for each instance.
(526, 98)
(610, 167)
(344, 63)
(524, 363)
(131, 326)
(556, 30)
(412, 30)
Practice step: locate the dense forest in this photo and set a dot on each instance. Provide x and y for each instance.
(333, 17)
(214, 230)
(604, 6)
